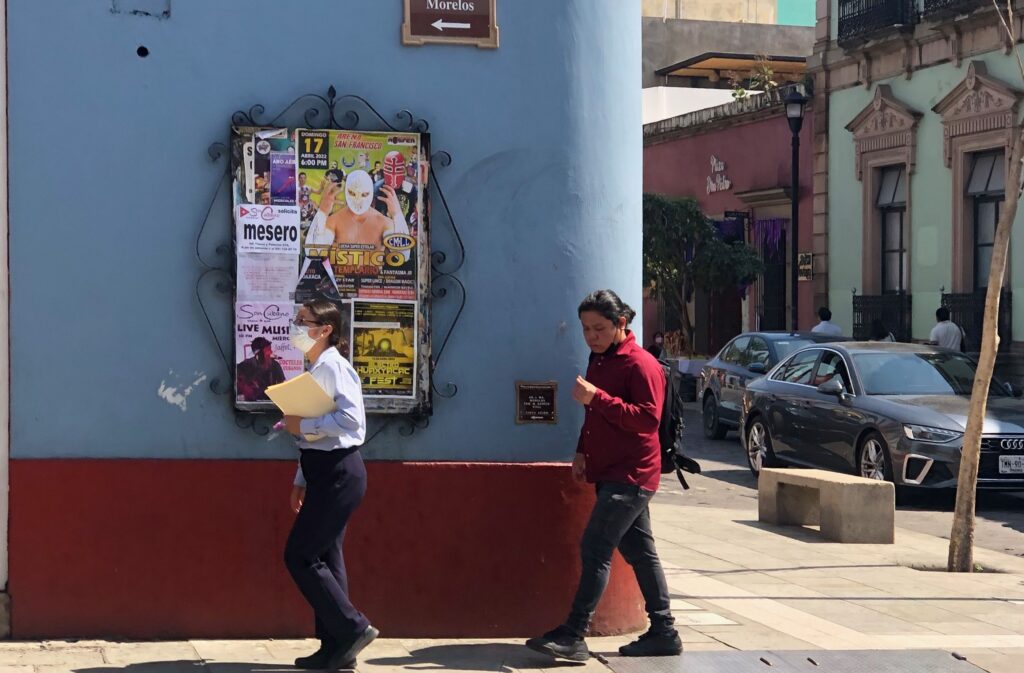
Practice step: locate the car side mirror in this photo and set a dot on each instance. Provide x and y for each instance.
(757, 368)
(833, 387)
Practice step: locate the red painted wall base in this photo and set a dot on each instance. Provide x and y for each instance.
(176, 549)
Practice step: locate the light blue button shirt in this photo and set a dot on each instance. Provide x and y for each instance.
(344, 427)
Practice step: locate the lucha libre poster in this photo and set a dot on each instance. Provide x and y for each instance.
(359, 193)
(341, 216)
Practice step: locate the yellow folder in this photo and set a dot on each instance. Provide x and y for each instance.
(302, 397)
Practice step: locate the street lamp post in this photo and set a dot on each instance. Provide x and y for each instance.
(795, 102)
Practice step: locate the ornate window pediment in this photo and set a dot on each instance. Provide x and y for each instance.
(883, 126)
(979, 104)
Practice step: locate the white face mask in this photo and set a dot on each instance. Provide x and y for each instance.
(359, 192)
(300, 338)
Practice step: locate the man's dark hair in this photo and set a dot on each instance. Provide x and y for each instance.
(824, 314)
(942, 314)
(607, 304)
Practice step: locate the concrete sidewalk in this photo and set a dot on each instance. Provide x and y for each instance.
(736, 585)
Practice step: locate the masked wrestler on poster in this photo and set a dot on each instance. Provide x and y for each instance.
(357, 222)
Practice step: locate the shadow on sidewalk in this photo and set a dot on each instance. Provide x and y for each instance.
(472, 657)
(184, 666)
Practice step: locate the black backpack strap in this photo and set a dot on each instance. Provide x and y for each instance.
(682, 479)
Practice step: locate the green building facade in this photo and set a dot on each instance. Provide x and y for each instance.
(923, 100)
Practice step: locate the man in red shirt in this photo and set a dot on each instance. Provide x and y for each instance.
(619, 452)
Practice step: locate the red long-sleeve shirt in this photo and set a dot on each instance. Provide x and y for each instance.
(620, 432)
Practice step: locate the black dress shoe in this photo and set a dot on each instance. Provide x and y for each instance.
(344, 657)
(654, 645)
(561, 643)
(316, 660)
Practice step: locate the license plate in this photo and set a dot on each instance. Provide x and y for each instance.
(1011, 464)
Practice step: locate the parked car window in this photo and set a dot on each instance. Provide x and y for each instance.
(734, 352)
(831, 366)
(800, 368)
(787, 346)
(942, 373)
(758, 352)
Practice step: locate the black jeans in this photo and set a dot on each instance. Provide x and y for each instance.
(335, 485)
(621, 519)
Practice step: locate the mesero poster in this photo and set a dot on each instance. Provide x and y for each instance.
(269, 229)
(264, 355)
(384, 347)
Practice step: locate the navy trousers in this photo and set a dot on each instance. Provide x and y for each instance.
(335, 485)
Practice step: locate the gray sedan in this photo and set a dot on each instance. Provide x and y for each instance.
(881, 410)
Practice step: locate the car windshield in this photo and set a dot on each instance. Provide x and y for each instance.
(918, 374)
(787, 346)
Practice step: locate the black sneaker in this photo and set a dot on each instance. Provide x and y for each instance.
(654, 645)
(344, 657)
(562, 643)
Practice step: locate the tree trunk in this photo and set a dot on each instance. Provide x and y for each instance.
(961, 538)
(684, 317)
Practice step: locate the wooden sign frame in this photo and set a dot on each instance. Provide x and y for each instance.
(488, 42)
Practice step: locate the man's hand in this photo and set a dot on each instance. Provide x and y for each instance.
(391, 199)
(584, 391)
(331, 189)
(291, 424)
(579, 467)
(298, 495)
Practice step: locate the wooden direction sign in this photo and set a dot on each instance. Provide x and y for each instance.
(536, 402)
(451, 21)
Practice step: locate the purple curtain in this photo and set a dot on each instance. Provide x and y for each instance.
(768, 232)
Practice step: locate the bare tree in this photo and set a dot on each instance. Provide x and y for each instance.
(961, 539)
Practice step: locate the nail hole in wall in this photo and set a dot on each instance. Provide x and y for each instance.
(142, 51)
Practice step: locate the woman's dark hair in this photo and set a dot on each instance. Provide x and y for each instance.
(607, 304)
(327, 313)
(878, 329)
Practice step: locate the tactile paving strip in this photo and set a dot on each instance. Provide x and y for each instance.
(819, 661)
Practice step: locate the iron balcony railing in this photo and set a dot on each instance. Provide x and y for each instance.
(892, 310)
(953, 6)
(968, 311)
(863, 19)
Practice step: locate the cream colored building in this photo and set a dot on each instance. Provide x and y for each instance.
(736, 11)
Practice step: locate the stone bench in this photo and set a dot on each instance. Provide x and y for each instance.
(848, 508)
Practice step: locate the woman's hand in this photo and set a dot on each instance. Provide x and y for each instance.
(584, 391)
(579, 467)
(298, 495)
(291, 424)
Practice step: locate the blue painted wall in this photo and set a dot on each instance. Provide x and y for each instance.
(109, 181)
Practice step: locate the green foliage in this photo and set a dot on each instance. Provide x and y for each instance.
(684, 252)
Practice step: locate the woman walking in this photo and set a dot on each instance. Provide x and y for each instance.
(329, 485)
(619, 452)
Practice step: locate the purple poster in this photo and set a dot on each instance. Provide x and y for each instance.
(282, 178)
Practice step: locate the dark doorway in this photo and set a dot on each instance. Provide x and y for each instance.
(773, 285)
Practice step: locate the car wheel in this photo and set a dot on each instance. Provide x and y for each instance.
(759, 447)
(873, 461)
(713, 428)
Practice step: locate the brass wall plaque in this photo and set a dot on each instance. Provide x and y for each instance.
(536, 402)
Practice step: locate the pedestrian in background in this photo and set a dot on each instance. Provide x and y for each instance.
(946, 333)
(620, 453)
(657, 346)
(329, 485)
(879, 332)
(826, 326)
